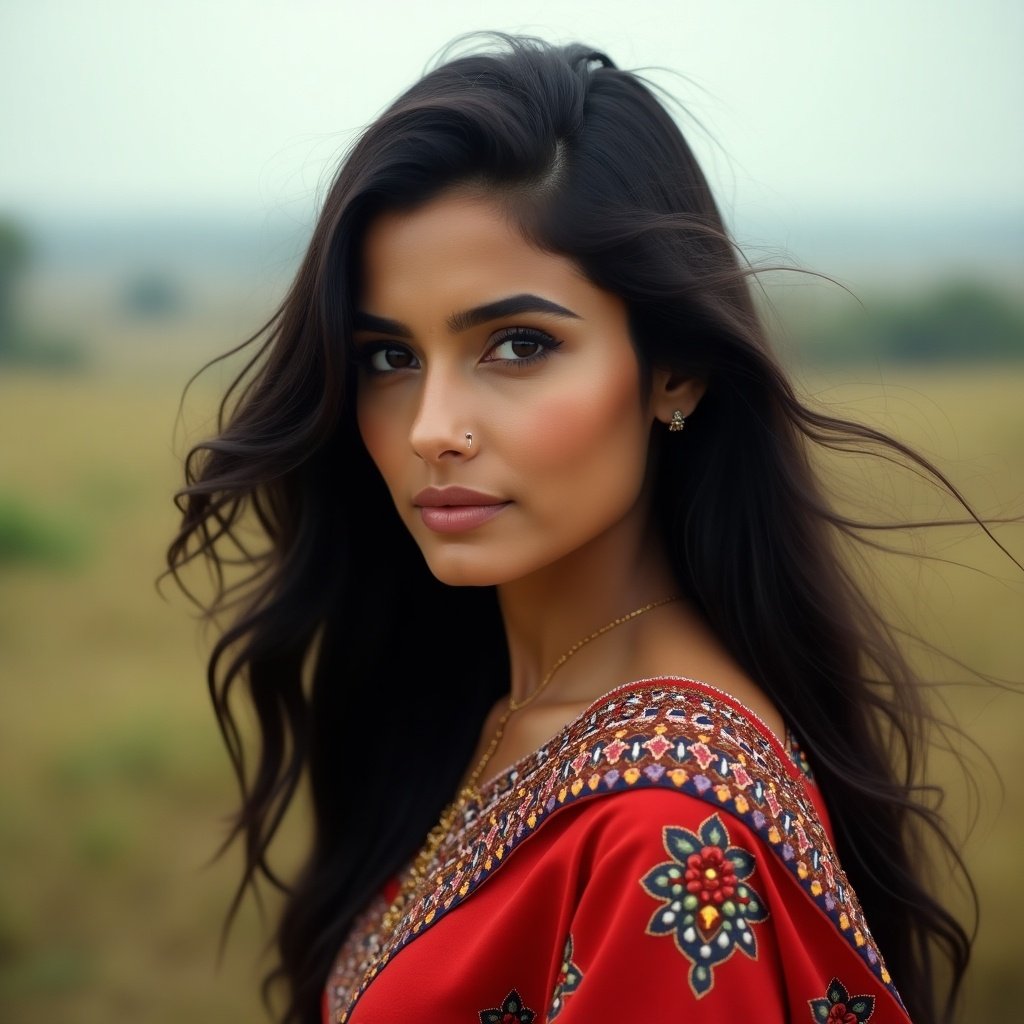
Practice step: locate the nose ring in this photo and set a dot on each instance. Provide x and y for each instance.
(469, 438)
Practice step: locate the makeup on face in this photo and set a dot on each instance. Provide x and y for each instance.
(464, 326)
(454, 509)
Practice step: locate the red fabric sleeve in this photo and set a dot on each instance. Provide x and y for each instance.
(684, 913)
(671, 923)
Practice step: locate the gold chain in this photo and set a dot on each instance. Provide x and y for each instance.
(513, 706)
(469, 792)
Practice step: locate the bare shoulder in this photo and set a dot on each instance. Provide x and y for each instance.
(691, 648)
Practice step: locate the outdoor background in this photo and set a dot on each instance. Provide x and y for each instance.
(161, 167)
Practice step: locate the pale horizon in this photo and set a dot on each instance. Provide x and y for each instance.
(240, 110)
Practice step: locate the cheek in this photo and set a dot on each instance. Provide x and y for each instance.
(375, 430)
(596, 426)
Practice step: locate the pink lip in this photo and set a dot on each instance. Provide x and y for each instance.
(453, 509)
(436, 497)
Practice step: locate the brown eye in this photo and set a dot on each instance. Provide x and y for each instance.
(519, 348)
(391, 358)
(522, 345)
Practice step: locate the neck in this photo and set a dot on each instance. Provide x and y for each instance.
(548, 612)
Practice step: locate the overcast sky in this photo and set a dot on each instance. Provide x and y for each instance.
(241, 107)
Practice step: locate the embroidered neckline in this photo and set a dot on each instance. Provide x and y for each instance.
(521, 769)
(688, 738)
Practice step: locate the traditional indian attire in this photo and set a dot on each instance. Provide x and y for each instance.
(662, 858)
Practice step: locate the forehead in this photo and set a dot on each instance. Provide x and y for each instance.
(455, 251)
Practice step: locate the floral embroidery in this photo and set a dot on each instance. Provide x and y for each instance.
(677, 734)
(839, 1007)
(708, 908)
(511, 1011)
(569, 978)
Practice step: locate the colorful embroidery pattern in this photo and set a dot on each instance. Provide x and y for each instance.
(569, 978)
(798, 757)
(511, 1011)
(839, 1007)
(647, 734)
(361, 947)
(707, 906)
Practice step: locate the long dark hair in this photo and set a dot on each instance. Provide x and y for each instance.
(334, 647)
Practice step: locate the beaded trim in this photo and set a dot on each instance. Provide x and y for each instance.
(671, 733)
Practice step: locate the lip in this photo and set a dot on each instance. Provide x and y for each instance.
(438, 497)
(454, 509)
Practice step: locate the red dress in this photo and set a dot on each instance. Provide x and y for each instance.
(662, 858)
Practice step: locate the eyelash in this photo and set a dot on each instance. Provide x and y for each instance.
(547, 344)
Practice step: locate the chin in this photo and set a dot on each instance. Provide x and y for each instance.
(466, 572)
(473, 566)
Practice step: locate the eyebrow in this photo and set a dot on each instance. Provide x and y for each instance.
(468, 318)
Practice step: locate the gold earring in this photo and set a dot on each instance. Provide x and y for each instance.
(677, 422)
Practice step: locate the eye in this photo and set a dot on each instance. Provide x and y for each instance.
(521, 345)
(387, 358)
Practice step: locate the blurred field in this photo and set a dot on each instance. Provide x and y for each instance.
(113, 783)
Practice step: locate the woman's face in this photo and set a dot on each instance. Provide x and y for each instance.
(464, 328)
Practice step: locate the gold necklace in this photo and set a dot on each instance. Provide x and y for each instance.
(417, 872)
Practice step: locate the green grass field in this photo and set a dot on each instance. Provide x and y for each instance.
(113, 783)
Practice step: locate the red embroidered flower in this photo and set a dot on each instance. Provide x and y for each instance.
(839, 1007)
(511, 1011)
(710, 876)
(707, 904)
(838, 1014)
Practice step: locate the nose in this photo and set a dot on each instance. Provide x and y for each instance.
(443, 427)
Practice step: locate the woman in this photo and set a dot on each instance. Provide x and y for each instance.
(545, 543)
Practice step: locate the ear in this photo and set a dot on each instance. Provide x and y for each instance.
(671, 390)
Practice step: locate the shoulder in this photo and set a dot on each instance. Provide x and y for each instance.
(680, 768)
(655, 822)
(678, 735)
(671, 792)
(668, 757)
(669, 888)
(679, 902)
(688, 857)
(671, 847)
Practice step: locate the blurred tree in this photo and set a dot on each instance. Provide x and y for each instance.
(15, 252)
(152, 295)
(959, 320)
(19, 342)
(31, 537)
